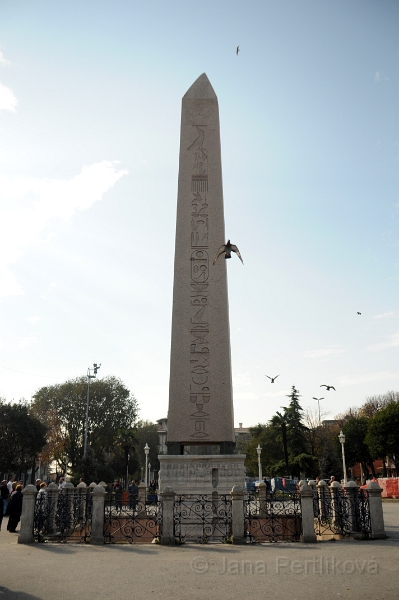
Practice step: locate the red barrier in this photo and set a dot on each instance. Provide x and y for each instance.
(390, 486)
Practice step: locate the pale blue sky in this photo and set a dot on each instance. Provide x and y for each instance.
(90, 96)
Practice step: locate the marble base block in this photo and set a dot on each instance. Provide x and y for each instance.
(201, 474)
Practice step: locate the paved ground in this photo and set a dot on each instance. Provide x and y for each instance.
(339, 570)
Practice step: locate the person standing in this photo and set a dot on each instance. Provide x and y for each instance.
(15, 509)
(133, 494)
(118, 495)
(4, 494)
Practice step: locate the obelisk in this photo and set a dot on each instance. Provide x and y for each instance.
(200, 391)
(200, 437)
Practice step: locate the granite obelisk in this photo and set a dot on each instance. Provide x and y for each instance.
(200, 416)
(200, 392)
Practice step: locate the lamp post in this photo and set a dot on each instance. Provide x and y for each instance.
(341, 438)
(149, 473)
(94, 369)
(127, 471)
(147, 451)
(318, 402)
(259, 450)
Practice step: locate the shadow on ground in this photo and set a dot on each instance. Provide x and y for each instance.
(7, 594)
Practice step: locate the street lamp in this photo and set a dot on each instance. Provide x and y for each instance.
(259, 450)
(147, 451)
(318, 402)
(149, 473)
(341, 438)
(94, 369)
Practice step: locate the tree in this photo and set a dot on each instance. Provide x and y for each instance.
(146, 432)
(382, 436)
(356, 450)
(293, 438)
(295, 428)
(280, 421)
(22, 437)
(375, 403)
(111, 407)
(269, 438)
(126, 440)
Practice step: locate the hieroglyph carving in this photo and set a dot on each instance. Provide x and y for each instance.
(199, 285)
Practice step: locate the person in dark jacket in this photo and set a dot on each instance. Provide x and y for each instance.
(15, 509)
(4, 494)
(118, 489)
(133, 494)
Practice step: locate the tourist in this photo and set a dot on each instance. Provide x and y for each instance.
(4, 495)
(9, 484)
(38, 482)
(133, 494)
(118, 495)
(15, 506)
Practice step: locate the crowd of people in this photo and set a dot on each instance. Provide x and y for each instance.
(11, 502)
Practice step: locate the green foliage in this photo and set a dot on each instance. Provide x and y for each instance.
(147, 433)
(356, 449)
(382, 436)
(22, 437)
(112, 407)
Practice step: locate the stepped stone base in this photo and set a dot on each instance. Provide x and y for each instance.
(201, 474)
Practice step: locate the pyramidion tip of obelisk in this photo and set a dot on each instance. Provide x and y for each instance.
(201, 89)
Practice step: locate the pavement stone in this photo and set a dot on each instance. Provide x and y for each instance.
(339, 570)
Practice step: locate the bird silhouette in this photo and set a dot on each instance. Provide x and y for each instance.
(272, 378)
(328, 387)
(238, 49)
(359, 313)
(227, 248)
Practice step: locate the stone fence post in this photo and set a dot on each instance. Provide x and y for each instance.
(376, 515)
(308, 535)
(262, 500)
(351, 491)
(97, 516)
(25, 535)
(237, 510)
(168, 506)
(52, 494)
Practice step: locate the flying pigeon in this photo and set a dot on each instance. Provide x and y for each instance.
(359, 313)
(238, 49)
(272, 378)
(227, 248)
(329, 387)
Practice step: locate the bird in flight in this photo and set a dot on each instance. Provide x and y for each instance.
(359, 313)
(329, 387)
(272, 378)
(238, 49)
(227, 248)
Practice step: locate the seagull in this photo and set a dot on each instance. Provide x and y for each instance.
(358, 313)
(272, 378)
(227, 248)
(238, 49)
(329, 387)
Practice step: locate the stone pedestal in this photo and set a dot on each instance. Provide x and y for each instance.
(308, 535)
(376, 514)
(97, 519)
(201, 474)
(28, 514)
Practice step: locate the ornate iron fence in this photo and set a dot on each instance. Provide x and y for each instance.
(276, 518)
(341, 512)
(128, 519)
(202, 519)
(63, 515)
